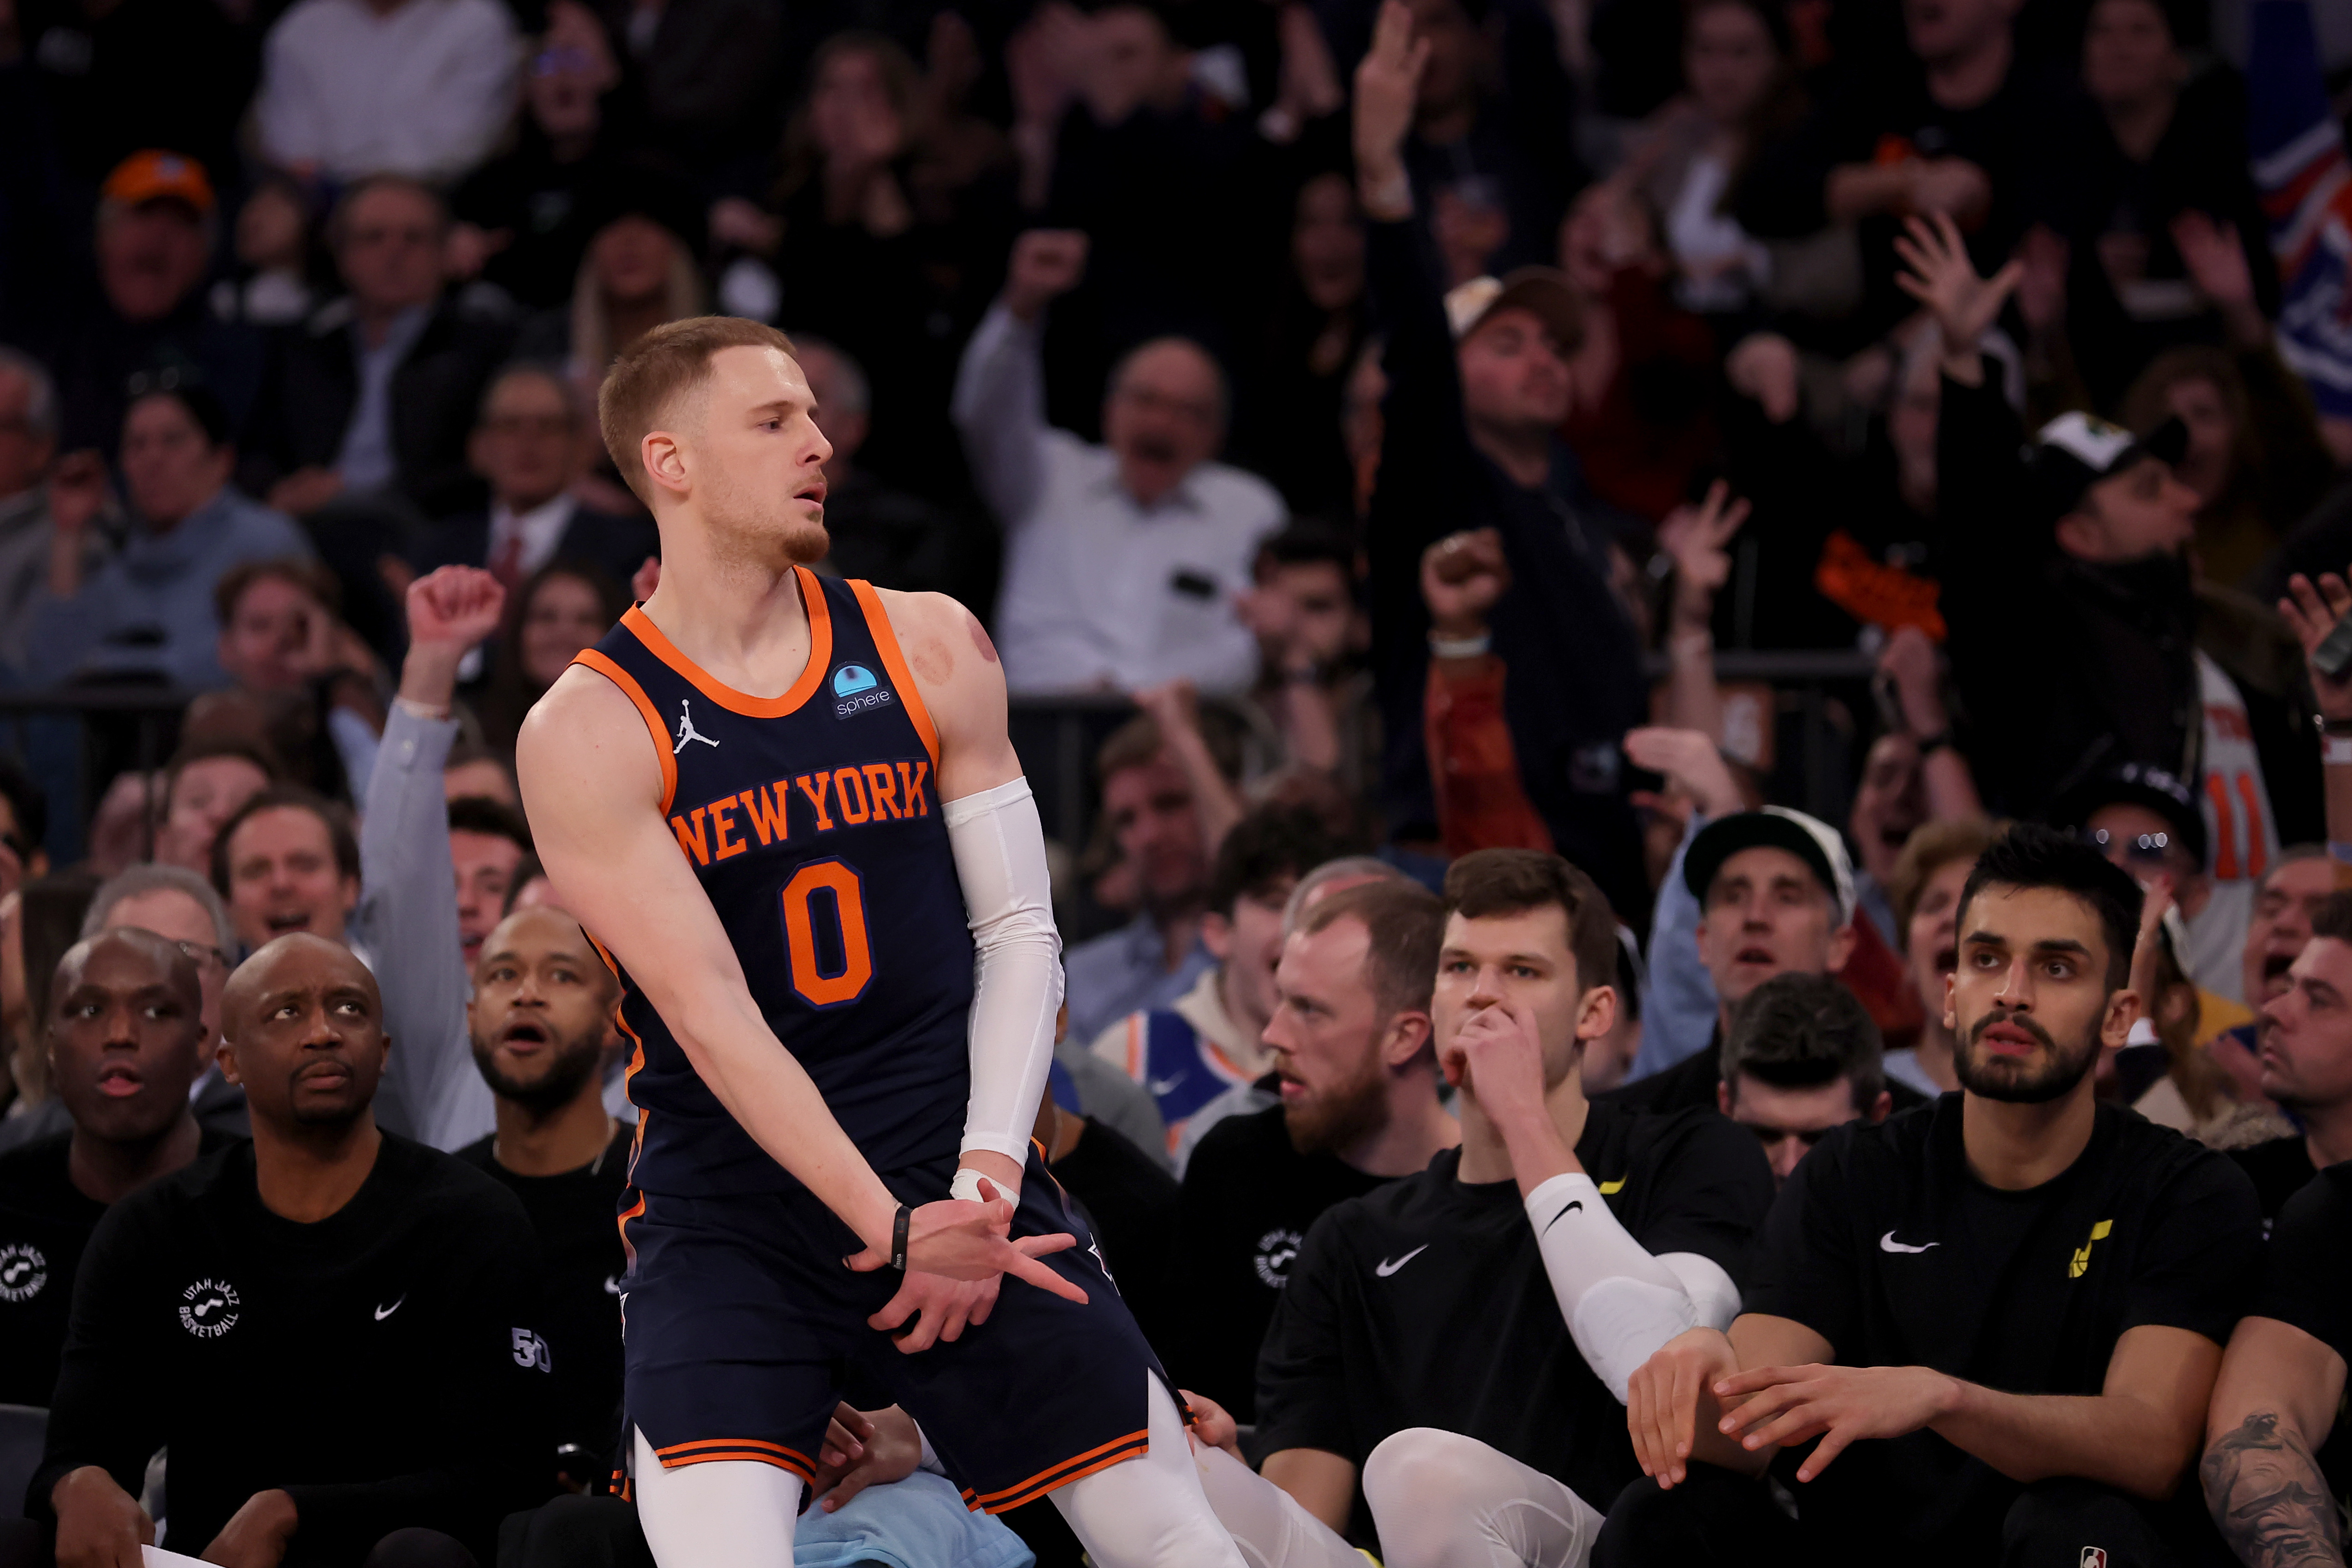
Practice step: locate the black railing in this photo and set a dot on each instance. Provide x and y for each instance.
(1056, 737)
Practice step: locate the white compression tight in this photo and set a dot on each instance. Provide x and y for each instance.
(1443, 1500)
(737, 1513)
(1267, 1523)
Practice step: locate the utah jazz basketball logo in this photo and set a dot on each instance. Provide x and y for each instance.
(856, 690)
(686, 730)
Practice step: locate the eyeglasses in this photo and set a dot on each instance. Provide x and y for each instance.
(2149, 850)
(203, 952)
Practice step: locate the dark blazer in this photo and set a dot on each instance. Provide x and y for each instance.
(312, 383)
(619, 545)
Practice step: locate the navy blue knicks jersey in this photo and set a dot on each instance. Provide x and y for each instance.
(812, 822)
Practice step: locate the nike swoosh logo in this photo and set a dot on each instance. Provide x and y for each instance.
(1388, 1266)
(1572, 1203)
(1160, 1086)
(1889, 1244)
(384, 1312)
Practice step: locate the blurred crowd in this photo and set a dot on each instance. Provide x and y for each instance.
(1672, 434)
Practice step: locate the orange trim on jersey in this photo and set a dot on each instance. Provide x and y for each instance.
(632, 1211)
(715, 1450)
(1136, 1040)
(820, 618)
(885, 642)
(636, 1058)
(621, 678)
(1134, 1446)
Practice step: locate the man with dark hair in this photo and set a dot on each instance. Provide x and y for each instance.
(487, 839)
(2001, 1315)
(125, 1022)
(1210, 1037)
(1156, 821)
(205, 782)
(1359, 1108)
(2304, 1045)
(541, 1024)
(286, 860)
(330, 1328)
(283, 642)
(1802, 1057)
(1459, 1339)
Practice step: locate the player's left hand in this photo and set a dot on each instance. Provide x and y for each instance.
(940, 1309)
(964, 1240)
(1838, 1405)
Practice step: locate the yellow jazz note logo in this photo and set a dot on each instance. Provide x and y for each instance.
(2082, 1259)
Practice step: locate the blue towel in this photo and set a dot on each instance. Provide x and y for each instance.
(919, 1522)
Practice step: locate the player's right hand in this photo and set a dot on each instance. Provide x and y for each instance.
(964, 1240)
(1664, 1396)
(99, 1525)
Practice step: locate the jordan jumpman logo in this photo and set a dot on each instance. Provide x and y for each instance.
(686, 730)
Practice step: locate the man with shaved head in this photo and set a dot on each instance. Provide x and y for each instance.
(541, 1025)
(1122, 560)
(330, 1328)
(126, 1020)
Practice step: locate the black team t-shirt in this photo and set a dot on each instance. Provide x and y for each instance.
(1249, 1199)
(45, 1222)
(577, 1217)
(2279, 1168)
(1129, 1201)
(2307, 1284)
(383, 1365)
(1886, 1245)
(1426, 1304)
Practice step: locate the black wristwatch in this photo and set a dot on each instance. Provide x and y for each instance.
(899, 1238)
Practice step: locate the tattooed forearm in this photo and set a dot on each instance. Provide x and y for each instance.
(2266, 1494)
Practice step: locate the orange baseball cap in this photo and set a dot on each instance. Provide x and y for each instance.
(156, 175)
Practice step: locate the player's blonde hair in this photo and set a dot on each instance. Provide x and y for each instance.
(650, 376)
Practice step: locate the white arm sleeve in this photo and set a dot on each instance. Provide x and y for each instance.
(999, 855)
(1621, 1302)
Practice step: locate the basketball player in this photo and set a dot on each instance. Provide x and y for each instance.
(787, 808)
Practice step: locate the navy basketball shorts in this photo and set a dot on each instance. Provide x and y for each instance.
(741, 1327)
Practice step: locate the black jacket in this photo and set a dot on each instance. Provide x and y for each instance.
(615, 544)
(312, 384)
(1576, 683)
(2067, 669)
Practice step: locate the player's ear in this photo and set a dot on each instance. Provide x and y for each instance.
(1596, 1015)
(664, 461)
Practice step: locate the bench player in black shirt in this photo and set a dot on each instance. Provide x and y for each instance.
(823, 886)
(2274, 1470)
(1457, 1339)
(541, 1025)
(329, 1328)
(1999, 1314)
(126, 1021)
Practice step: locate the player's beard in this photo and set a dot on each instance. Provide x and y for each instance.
(753, 530)
(571, 1065)
(2021, 1082)
(1339, 1117)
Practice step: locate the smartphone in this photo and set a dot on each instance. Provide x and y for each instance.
(2333, 656)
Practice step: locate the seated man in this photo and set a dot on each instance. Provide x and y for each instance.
(1211, 1039)
(1359, 1110)
(329, 1328)
(2306, 1038)
(203, 786)
(1460, 1339)
(182, 907)
(285, 861)
(1122, 561)
(2001, 1316)
(1755, 894)
(1802, 1057)
(2280, 1390)
(300, 672)
(528, 445)
(541, 1025)
(488, 841)
(125, 1022)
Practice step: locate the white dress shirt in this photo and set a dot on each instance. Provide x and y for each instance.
(425, 90)
(1098, 588)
